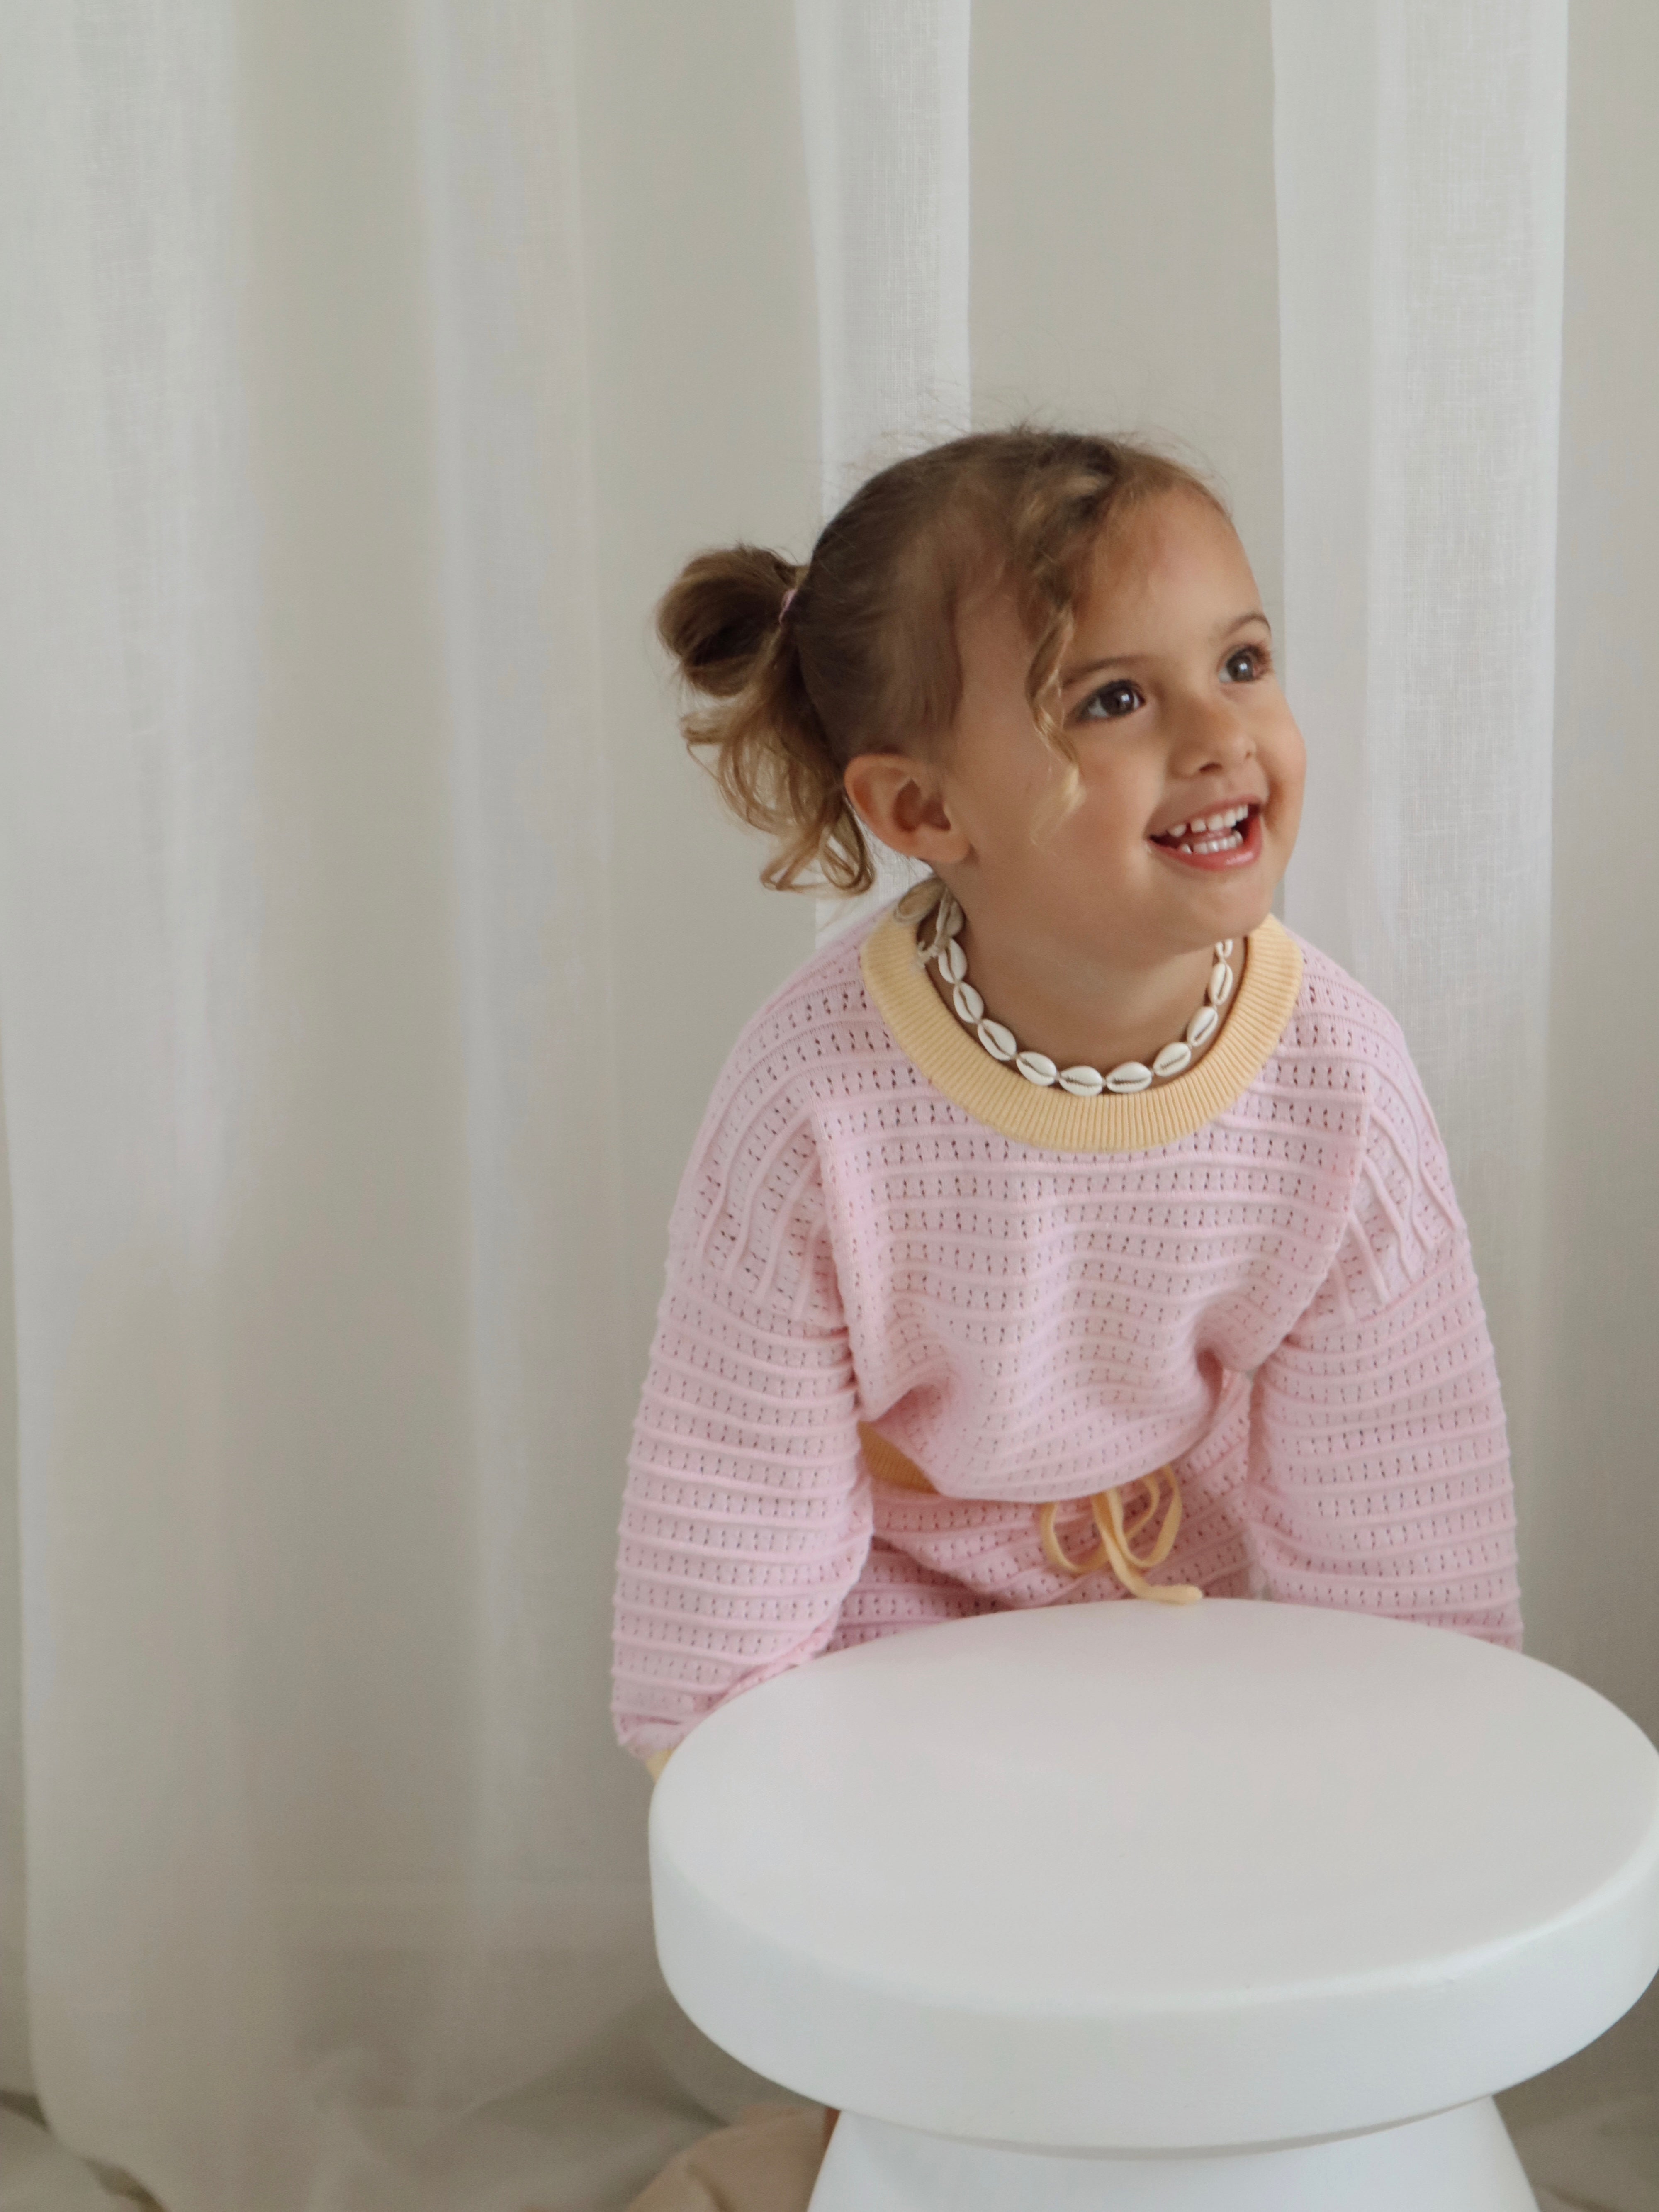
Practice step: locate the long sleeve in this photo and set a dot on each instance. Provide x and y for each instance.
(1379, 1466)
(746, 1517)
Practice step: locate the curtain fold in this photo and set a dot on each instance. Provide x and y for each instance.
(883, 96)
(542, 1896)
(884, 110)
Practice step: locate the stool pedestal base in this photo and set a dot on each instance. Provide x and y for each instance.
(1457, 2161)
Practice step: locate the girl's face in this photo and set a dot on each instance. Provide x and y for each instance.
(1191, 763)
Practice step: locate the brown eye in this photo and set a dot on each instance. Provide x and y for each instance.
(1245, 665)
(1112, 701)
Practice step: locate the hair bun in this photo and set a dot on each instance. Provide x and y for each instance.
(721, 614)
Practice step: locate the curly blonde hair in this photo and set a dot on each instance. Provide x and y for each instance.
(857, 650)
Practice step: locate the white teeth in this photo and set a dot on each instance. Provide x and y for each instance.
(1201, 826)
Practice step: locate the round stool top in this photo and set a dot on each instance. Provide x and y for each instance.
(1124, 1876)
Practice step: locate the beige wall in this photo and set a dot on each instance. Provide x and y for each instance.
(1124, 261)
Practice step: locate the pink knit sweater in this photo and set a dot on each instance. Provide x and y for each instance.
(1256, 1273)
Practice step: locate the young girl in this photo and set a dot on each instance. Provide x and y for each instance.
(1073, 1232)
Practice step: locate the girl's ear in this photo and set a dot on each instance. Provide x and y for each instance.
(899, 800)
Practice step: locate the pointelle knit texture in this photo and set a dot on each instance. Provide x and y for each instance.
(1257, 1273)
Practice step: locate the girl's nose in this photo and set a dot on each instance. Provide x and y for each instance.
(1210, 735)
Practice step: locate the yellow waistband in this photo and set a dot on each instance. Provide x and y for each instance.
(1116, 1535)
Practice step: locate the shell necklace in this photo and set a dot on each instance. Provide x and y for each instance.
(945, 949)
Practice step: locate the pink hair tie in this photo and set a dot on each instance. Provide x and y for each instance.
(788, 597)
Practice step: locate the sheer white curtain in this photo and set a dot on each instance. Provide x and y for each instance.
(1425, 197)
(1422, 181)
(367, 946)
(339, 1110)
(143, 1076)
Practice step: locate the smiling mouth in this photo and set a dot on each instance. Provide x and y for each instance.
(1227, 837)
(1224, 831)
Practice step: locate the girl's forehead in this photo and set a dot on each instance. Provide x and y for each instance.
(1175, 537)
(1171, 564)
(1175, 557)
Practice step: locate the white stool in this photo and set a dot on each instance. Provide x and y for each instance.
(1237, 1905)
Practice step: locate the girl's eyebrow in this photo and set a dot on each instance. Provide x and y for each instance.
(1070, 675)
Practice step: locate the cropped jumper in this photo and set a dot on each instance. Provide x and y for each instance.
(911, 1298)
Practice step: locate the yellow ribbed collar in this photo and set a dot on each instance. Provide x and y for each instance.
(954, 1061)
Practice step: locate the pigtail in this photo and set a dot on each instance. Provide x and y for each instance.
(723, 620)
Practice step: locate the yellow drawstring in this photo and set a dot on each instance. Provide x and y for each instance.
(1116, 1546)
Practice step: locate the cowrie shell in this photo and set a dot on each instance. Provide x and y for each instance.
(1130, 1075)
(1037, 1067)
(1202, 1027)
(1173, 1058)
(954, 918)
(1224, 950)
(952, 960)
(1082, 1082)
(1221, 984)
(997, 1040)
(968, 1002)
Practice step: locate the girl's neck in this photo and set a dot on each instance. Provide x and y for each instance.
(1081, 1009)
